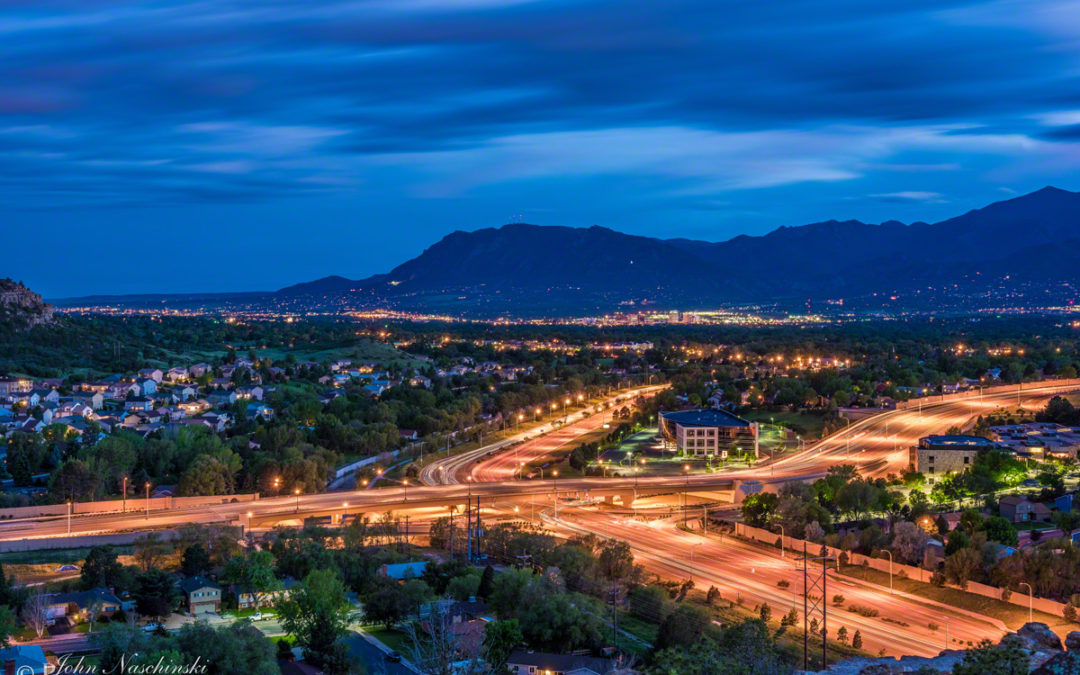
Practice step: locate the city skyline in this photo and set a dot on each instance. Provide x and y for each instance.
(352, 135)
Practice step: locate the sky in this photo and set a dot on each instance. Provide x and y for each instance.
(224, 145)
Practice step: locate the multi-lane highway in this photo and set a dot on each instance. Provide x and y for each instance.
(500, 461)
(877, 445)
(753, 574)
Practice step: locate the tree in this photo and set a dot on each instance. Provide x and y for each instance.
(254, 574)
(74, 480)
(841, 635)
(1069, 613)
(856, 640)
(233, 648)
(387, 606)
(1000, 530)
(1008, 658)
(615, 560)
(758, 508)
(765, 612)
(555, 622)
(682, 628)
(712, 595)
(100, 568)
(909, 542)
(961, 565)
(195, 561)
(207, 475)
(316, 613)
(155, 595)
(500, 639)
(149, 549)
(791, 618)
(487, 582)
(36, 611)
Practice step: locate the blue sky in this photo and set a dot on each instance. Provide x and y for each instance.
(227, 145)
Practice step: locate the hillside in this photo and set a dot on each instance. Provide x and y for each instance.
(20, 308)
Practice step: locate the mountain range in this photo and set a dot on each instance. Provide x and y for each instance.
(1024, 246)
(1032, 239)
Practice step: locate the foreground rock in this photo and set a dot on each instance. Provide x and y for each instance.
(1042, 646)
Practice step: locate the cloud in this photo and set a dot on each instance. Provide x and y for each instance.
(183, 98)
(909, 196)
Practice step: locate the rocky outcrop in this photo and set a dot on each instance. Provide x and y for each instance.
(21, 307)
(1046, 656)
(1038, 637)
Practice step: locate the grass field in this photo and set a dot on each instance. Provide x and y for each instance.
(59, 556)
(392, 638)
(807, 425)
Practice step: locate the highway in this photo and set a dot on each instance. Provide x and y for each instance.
(488, 464)
(876, 445)
(752, 573)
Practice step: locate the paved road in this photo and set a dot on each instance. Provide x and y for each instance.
(525, 446)
(877, 446)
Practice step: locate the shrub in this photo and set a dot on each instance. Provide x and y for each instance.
(864, 611)
(838, 599)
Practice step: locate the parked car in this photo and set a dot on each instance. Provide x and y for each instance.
(151, 626)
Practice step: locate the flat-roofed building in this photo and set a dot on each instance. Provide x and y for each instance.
(709, 433)
(936, 456)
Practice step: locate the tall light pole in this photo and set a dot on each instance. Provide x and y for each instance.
(125, 494)
(147, 486)
(781, 540)
(1031, 595)
(69, 517)
(890, 570)
(405, 484)
(297, 493)
(686, 488)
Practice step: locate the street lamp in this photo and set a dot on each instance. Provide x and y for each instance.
(69, 517)
(889, 553)
(781, 540)
(405, 484)
(686, 476)
(297, 493)
(147, 486)
(125, 494)
(555, 481)
(1030, 596)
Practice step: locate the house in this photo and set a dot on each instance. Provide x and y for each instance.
(176, 374)
(119, 390)
(78, 605)
(147, 385)
(199, 369)
(26, 660)
(250, 392)
(244, 599)
(408, 434)
(221, 383)
(154, 374)
(50, 395)
(1018, 509)
(222, 398)
(539, 663)
(94, 399)
(139, 404)
(402, 571)
(184, 392)
(260, 411)
(10, 385)
(202, 595)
